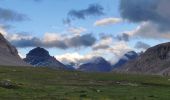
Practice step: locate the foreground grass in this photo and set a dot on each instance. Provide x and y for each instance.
(46, 84)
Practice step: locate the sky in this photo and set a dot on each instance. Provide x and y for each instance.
(78, 30)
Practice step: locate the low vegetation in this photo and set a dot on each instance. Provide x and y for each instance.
(21, 83)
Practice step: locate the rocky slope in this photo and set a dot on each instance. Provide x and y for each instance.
(9, 54)
(41, 57)
(96, 64)
(156, 60)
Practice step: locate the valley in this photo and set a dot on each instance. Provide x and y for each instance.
(29, 83)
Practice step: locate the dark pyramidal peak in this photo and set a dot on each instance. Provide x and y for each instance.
(9, 54)
(39, 52)
(156, 60)
(96, 64)
(41, 57)
(131, 55)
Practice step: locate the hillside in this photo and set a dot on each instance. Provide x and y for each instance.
(156, 60)
(23, 83)
(9, 54)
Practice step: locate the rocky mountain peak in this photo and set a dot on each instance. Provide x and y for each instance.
(97, 60)
(96, 64)
(9, 54)
(162, 51)
(131, 55)
(40, 57)
(38, 52)
(7, 47)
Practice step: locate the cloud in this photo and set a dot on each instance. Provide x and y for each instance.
(142, 45)
(104, 43)
(52, 40)
(152, 11)
(107, 21)
(10, 15)
(150, 31)
(3, 30)
(75, 57)
(123, 37)
(92, 10)
(76, 30)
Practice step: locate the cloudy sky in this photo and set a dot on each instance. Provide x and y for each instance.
(76, 30)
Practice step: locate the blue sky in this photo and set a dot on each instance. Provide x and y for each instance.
(45, 18)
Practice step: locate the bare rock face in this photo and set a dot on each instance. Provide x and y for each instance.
(9, 54)
(156, 60)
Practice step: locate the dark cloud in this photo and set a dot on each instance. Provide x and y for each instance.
(154, 11)
(92, 10)
(123, 37)
(10, 15)
(84, 40)
(73, 42)
(22, 43)
(101, 47)
(141, 45)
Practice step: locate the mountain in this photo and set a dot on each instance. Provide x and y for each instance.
(131, 55)
(156, 60)
(96, 64)
(41, 58)
(9, 54)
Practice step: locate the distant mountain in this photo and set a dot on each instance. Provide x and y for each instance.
(131, 55)
(9, 54)
(41, 57)
(96, 64)
(156, 60)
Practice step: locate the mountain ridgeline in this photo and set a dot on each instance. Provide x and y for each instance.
(156, 60)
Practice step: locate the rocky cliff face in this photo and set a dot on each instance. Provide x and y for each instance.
(9, 54)
(41, 58)
(156, 60)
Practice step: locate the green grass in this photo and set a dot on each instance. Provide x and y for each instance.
(46, 84)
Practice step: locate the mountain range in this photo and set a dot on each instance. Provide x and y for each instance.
(155, 60)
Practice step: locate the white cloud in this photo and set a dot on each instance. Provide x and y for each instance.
(103, 43)
(73, 57)
(149, 30)
(77, 30)
(50, 37)
(3, 31)
(107, 21)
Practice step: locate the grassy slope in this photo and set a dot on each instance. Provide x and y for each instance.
(46, 84)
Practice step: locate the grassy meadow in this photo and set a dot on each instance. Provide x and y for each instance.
(21, 83)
